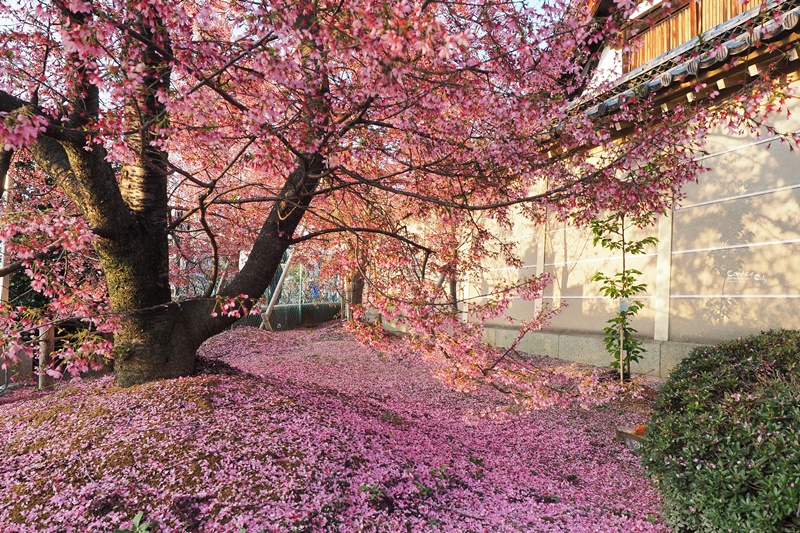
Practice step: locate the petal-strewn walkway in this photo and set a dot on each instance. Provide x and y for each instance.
(326, 435)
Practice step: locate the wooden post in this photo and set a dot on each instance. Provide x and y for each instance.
(300, 300)
(4, 281)
(46, 346)
(622, 303)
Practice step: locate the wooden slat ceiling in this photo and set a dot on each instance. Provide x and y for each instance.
(662, 30)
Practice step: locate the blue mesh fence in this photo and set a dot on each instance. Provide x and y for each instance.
(291, 316)
(304, 301)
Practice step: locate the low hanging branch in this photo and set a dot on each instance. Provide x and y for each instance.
(336, 118)
(51, 252)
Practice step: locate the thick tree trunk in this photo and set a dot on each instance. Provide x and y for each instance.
(357, 287)
(158, 338)
(355, 292)
(153, 341)
(454, 294)
(154, 345)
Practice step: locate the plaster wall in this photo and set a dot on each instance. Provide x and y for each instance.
(728, 264)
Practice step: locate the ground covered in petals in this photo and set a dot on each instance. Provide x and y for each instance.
(310, 431)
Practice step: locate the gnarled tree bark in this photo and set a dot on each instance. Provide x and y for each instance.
(157, 338)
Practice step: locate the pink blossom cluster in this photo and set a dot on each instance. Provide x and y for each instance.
(237, 307)
(42, 231)
(437, 123)
(323, 434)
(19, 129)
(455, 351)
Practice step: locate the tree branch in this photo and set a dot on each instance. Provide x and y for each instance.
(5, 164)
(10, 103)
(312, 235)
(48, 253)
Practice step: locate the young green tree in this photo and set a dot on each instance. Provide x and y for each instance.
(623, 287)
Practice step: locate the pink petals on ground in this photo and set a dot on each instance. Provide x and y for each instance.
(325, 435)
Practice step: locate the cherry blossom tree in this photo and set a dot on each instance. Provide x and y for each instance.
(398, 136)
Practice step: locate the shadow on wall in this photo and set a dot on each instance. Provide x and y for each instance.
(526, 248)
(573, 260)
(726, 262)
(735, 249)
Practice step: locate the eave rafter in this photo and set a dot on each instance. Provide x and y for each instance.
(720, 60)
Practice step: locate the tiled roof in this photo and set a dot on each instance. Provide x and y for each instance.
(716, 47)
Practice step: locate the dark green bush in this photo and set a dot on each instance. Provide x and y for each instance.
(723, 446)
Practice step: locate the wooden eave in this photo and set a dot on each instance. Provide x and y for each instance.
(723, 59)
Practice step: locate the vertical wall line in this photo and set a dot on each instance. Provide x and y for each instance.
(541, 240)
(663, 279)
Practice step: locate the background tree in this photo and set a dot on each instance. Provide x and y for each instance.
(181, 133)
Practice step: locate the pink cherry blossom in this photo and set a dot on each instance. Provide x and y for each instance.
(322, 434)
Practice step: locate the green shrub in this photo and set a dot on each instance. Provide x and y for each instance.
(723, 446)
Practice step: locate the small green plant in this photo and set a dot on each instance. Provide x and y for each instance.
(723, 446)
(391, 417)
(479, 471)
(439, 472)
(138, 526)
(475, 460)
(623, 286)
(424, 490)
(376, 491)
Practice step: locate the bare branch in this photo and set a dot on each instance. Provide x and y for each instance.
(309, 236)
(207, 80)
(214, 249)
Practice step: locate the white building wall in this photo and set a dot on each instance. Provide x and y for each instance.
(727, 265)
